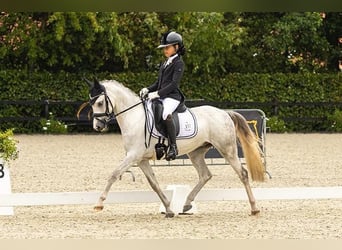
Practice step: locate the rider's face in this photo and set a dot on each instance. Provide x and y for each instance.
(169, 50)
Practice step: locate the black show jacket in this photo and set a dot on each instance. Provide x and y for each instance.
(168, 81)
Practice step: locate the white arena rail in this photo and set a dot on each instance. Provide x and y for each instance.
(82, 198)
(77, 198)
(176, 194)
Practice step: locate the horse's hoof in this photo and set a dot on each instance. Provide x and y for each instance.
(186, 208)
(169, 215)
(98, 208)
(255, 212)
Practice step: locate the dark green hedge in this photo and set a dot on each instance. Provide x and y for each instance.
(20, 85)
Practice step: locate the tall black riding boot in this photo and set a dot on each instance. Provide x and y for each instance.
(171, 130)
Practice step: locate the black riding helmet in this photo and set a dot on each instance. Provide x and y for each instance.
(170, 38)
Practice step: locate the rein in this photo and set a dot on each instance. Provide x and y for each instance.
(127, 109)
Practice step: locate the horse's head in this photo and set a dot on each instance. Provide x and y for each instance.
(103, 109)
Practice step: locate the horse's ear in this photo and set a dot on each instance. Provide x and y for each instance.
(97, 84)
(90, 84)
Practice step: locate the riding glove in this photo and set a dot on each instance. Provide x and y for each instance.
(153, 95)
(143, 93)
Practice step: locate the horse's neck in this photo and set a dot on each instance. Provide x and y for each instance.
(123, 100)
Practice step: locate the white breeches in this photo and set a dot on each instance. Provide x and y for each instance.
(170, 105)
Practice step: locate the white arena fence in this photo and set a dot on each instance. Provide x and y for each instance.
(142, 196)
(176, 193)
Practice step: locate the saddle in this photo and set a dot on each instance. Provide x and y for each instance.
(183, 118)
(158, 108)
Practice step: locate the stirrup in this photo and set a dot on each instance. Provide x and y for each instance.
(172, 153)
(160, 150)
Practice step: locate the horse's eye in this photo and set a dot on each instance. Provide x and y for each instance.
(100, 104)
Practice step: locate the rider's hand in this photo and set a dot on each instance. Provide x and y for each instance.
(143, 92)
(153, 95)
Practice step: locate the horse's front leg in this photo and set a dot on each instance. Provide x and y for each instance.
(123, 167)
(148, 171)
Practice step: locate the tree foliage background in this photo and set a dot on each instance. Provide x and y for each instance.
(217, 43)
(234, 56)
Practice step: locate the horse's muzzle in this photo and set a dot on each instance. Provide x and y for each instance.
(100, 125)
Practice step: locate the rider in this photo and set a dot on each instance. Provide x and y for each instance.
(166, 87)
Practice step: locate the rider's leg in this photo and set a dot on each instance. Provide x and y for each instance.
(170, 106)
(171, 130)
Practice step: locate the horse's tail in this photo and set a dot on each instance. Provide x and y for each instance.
(250, 147)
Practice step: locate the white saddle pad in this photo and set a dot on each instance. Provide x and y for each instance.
(187, 124)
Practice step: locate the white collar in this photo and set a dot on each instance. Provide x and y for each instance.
(170, 59)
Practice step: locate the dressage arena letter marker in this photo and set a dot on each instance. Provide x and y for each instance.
(5, 188)
(2, 173)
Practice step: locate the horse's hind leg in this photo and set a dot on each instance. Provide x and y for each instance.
(197, 158)
(232, 158)
(147, 170)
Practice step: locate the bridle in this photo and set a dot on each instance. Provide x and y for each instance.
(109, 116)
